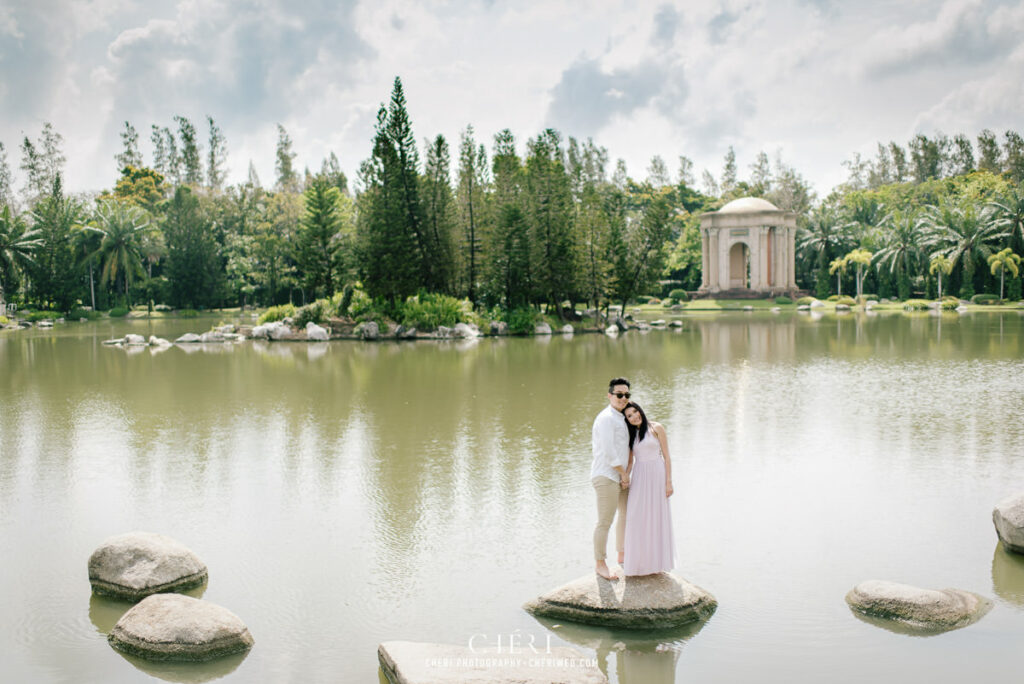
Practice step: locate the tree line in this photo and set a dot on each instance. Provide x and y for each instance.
(543, 223)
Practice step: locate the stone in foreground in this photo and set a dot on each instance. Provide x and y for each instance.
(181, 628)
(925, 609)
(1008, 517)
(646, 602)
(135, 565)
(411, 662)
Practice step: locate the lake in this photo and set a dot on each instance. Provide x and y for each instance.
(348, 493)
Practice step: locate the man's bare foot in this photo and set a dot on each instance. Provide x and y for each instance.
(602, 569)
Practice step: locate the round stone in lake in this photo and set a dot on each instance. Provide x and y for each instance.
(925, 610)
(645, 602)
(1008, 517)
(180, 628)
(137, 564)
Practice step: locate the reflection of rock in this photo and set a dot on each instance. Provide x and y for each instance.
(1008, 575)
(921, 610)
(134, 565)
(411, 662)
(648, 656)
(1008, 516)
(179, 628)
(194, 673)
(611, 330)
(652, 601)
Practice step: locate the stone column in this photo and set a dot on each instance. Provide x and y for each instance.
(791, 258)
(705, 277)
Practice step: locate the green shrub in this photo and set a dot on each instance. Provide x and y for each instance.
(984, 299)
(118, 312)
(162, 307)
(872, 297)
(915, 305)
(679, 295)
(848, 301)
(77, 314)
(832, 298)
(654, 301)
(783, 300)
(669, 302)
(427, 311)
(43, 316)
(806, 300)
(4, 320)
(276, 313)
(363, 308)
(317, 312)
(950, 303)
(522, 321)
(341, 301)
(186, 313)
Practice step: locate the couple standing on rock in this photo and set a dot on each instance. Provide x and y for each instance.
(631, 474)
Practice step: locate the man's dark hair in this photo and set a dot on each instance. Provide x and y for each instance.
(616, 381)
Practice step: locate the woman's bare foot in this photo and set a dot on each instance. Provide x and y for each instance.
(602, 569)
(622, 555)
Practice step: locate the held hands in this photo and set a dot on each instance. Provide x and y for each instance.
(624, 481)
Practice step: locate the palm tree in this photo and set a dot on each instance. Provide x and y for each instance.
(1008, 215)
(17, 243)
(900, 253)
(959, 232)
(862, 258)
(86, 242)
(122, 227)
(838, 267)
(1004, 261)
(824, 235)
(940, 266)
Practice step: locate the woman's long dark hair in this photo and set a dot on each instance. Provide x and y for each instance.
(633, 430)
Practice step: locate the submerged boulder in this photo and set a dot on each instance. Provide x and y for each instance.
(1008, 517)
(646, 602)
(137, 564)
(411, 662)
(921, 609)
(181, 628)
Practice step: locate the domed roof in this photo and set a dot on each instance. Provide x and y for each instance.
(747, 205)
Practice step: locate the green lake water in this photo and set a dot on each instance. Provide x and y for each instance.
(347, 493)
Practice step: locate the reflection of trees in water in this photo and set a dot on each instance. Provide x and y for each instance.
(1008, 575)
(630, 656)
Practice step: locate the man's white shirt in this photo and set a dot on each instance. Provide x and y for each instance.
(610, 443)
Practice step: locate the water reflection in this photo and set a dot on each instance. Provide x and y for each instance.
(190, 673)
(1008, 575)
(630, 656)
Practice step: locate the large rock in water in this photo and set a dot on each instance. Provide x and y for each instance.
(187, 338)
(410, 662)
(182, 628)
(922, 609)
(646, 602)
(542, 328)
(135, 565)
(1008, 517)
(316, 333)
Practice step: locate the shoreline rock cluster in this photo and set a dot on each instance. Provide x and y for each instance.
(163, 625)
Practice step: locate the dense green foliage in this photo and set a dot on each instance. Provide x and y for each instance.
(522, 229)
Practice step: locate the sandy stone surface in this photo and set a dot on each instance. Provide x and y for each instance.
(176, 627)
(650, 601)
(1008, 517)
(135, 565)
(410, 662)
(935, 609)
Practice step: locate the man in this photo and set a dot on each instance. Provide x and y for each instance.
(608, 473)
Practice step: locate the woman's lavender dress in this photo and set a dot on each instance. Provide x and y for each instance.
(649, 545)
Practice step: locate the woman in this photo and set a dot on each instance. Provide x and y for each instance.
(649, 545)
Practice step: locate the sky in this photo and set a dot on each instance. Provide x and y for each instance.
(810, 81)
